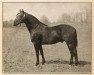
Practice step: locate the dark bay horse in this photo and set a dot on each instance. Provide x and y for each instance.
(41, 34)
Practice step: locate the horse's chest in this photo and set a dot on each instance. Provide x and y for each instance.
(36, 37)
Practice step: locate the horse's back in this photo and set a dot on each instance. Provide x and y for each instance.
(51, 35)
(67, 32)
(64, 27)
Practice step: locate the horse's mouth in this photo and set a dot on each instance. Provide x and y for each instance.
(17, 24)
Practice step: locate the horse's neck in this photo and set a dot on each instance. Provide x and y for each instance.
(31, 22)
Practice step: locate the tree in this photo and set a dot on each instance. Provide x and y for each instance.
(8, 23)
(45, 20)
(65, 18)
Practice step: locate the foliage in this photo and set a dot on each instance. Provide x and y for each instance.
(45, 20)
(79, 17)
(8, 23)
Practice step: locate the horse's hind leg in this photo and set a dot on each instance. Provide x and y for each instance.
(71, 58)
(42, 54)
(75, 56)
(73, 53)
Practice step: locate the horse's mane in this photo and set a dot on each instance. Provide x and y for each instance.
(34, 19)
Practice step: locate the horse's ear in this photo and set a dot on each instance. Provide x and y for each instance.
(20, 10)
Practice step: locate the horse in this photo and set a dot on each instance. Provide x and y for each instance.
(41, 34)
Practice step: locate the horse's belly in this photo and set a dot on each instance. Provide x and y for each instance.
(52, 39)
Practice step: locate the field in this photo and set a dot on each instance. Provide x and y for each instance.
(19, 54)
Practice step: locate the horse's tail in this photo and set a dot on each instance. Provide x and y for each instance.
(76, 40)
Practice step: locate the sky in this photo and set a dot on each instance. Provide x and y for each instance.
(52, 11)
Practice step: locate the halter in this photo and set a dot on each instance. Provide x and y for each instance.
(23, 16)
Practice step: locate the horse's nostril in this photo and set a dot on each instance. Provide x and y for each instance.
(14, 24)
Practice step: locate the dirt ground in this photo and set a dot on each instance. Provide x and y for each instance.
(19, 54)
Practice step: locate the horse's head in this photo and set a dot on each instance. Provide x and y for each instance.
(19, 18)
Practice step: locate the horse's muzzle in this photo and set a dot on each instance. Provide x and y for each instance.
(15, 23)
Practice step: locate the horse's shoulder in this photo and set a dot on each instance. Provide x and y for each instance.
(36, 37)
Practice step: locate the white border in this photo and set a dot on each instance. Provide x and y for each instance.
(46, 1)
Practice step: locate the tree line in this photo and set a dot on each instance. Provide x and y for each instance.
(80, 17)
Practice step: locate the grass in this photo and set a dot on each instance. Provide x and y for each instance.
(19, 54)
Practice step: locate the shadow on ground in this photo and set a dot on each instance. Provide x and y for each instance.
(81, 63)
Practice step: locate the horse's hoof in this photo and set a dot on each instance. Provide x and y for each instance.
(36, 64)
(70, 63)
(76, 63)
(43, 62)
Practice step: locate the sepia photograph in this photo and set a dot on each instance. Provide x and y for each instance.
(47, 37)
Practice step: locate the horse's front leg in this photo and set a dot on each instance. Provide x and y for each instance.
(37, 53)
(42, 54)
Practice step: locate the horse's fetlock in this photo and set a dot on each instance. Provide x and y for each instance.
(37, 63)
(43, 61)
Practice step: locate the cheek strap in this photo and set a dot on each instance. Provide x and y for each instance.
(22, 17)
